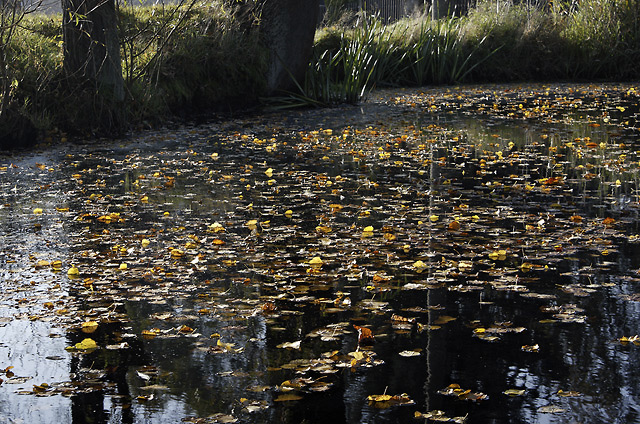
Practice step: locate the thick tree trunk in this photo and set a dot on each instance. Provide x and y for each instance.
(288, 28)
(91, 46)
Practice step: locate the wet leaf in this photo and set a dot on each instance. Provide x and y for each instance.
(551, 409)
(290, 345)
(85, 345)
(89, 326)
(365, 335)
(287, 397)
(387, 401)
(569, 393)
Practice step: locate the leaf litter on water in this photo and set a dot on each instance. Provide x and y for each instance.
(224, 243)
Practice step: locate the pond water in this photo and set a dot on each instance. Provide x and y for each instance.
(468, 254)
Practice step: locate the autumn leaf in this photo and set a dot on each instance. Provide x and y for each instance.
(89, 326)
(316, 262)
(419, 266)
(290, 345)
(287, 397)
(323, 229)
(85, 345)
(384, 401)
(365, 335)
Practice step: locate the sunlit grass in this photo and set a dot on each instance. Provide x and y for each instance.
(496, 41)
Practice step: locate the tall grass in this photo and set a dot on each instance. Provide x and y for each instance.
(179, 59)
(496, 41)
(348, 62)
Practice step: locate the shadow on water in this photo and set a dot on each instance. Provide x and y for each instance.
(487, 236)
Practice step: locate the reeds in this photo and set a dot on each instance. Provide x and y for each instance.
(496, 41)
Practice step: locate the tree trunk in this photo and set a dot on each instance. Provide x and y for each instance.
(288, 28)
(91, 46)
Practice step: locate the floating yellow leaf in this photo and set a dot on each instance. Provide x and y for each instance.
(633, 339)
(526, 266)
(379, 398)
(42, 263)
(358, 355)
(434, 218)
(290, 345)
(419, 266)
(216, 227)
(569, 393)
(386, 401)
(122, 266)
(389, 237)
(37, 211)
(498, 255)
(252, 224)
(514, 392)
(177, 253)
(288, 213)
(531, 348)
(287, 397)
(323, 229)
(150, 334)
(56, 265)
(226, 346)
(86, 344)
(73, 271)
(269, 172)
(145, 242)
(89, 326)
(316, 262)
(464, 266)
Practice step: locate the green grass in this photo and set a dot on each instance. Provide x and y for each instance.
(180, 60)
(495, 41)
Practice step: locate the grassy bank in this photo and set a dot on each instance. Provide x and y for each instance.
(177, 61)
(497, 41)
(194, 57)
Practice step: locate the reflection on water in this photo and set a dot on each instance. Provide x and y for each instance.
(195, 250)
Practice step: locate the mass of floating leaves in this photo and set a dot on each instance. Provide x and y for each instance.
(284, 257)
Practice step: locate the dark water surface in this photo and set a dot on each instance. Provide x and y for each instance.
(487, 236)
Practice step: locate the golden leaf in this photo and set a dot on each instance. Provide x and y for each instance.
(89, 326)
(86, 344)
